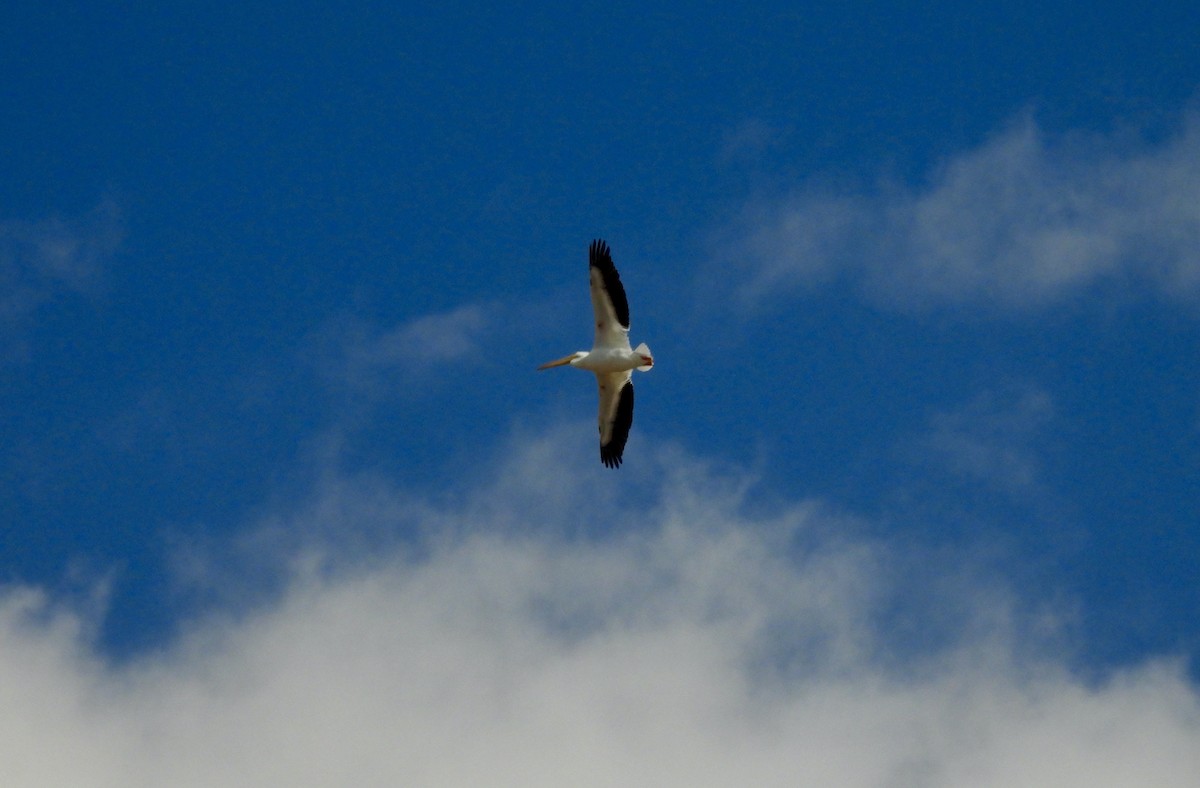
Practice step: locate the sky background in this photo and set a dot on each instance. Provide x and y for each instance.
(912, 496)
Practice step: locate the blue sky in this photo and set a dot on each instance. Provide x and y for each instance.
(921, 447)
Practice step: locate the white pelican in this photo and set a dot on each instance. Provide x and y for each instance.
(611, 357)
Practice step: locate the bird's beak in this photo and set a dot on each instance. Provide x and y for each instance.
(558, 362)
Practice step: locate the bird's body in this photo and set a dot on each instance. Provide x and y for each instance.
(611, 357)
(608, 360)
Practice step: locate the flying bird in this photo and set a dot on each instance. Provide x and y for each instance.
(611, 357)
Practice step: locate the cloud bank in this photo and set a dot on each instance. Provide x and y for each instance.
(1023, 221)
(701, 641)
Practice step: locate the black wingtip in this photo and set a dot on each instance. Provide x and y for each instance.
(600, 258)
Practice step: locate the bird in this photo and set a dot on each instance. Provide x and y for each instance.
(611, 357)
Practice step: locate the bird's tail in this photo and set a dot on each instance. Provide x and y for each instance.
(643, 350)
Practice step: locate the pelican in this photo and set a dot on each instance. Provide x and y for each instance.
(611, 357)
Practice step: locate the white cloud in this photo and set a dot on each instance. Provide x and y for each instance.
(700, 644)
(1022, 221)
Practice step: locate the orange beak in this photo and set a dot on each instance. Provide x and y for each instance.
(561, 362)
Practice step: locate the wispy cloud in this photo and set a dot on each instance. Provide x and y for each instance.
(446, 336)
(992, 439)
(42, 260)
(705, 645)
(747, 141)
(1022, 221)
(361, 356)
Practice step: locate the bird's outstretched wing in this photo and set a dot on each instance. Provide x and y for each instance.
(609, 304)
(616, 415)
